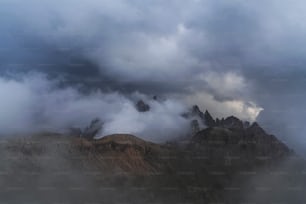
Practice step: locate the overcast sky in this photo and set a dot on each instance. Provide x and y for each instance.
(243, 58)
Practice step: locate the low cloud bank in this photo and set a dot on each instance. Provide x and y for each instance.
(35, 103)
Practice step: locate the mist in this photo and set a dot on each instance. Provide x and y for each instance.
(34, 103)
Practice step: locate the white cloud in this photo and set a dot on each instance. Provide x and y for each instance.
(34, 103)
(227, 84)
(163, 120)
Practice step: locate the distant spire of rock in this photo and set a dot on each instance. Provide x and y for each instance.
(196, 109)
(206, 118)
(209, 121)
(141, 106)
(93, 129)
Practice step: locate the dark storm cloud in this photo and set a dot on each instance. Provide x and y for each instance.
(134, 44)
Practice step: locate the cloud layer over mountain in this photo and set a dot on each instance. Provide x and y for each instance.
(231, 57)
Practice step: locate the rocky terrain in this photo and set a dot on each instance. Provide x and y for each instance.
(223, 160)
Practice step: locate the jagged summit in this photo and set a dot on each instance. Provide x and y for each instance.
(196, 110)
(209, 121)
(206, 120)
(231, 122)
(234, 135)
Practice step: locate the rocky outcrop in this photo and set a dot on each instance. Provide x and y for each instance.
(203, 119)
(209, 121)
(141, 106)
(230, 122)
(231, 136)
(93, 129)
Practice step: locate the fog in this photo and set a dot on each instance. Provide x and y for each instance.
(34, 103)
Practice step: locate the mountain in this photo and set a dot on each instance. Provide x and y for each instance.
(225, 162)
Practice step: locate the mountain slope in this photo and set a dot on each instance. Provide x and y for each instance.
(220, 163)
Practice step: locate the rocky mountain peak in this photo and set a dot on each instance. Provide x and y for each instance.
(231, 122)
(209, 121)
(206, 118)
(196, 110)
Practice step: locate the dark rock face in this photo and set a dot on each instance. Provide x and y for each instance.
(209, 121)
(231, 122)
(205, 118)
(201, 119)
(93, 129)
(235, 137)
(141, 106)
(196, 111)
(246, 124)
(251, 142)
(195, 127)
(256, 129)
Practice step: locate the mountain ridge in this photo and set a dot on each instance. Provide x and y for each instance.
(118, 168)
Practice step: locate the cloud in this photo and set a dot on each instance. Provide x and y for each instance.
(34, 103)
(163, 120)
(223, 55)
(229, 85)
